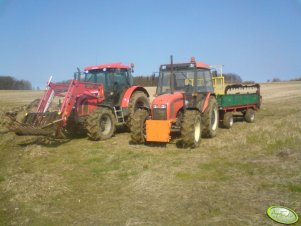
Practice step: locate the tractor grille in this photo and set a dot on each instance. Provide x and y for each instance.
(159, 114)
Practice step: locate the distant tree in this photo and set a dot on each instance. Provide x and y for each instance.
(151, 80)
(276, 80)
(232, 78)
(296, 79)
(10, 83)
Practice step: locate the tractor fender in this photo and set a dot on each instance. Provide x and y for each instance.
(206, 101)
(129, 92)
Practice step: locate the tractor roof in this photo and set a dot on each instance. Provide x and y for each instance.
(185, 65)
(202, 65)
(199, 64)
(102, 66)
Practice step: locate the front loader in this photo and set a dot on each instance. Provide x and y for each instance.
(94, 102)
(185, 103)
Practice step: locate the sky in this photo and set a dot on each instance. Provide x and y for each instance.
(256, 39)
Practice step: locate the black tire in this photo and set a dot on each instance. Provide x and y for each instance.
(191, 129)
(138, 100)
(210, 119)
(228, 120)
(73, 129)
(250, 115)
(138, 132)
(100, 124)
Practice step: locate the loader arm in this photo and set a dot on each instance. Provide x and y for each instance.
(76, 89)
(52, 90)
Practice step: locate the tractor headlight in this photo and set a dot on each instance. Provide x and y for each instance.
(163, 106)
(155, 106)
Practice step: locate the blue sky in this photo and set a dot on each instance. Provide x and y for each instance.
(257, 39)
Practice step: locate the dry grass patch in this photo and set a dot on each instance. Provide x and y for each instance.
(229, 180)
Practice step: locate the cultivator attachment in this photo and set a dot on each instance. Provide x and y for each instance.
(48, 122)
(44, 124)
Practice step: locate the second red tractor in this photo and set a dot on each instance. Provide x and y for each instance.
(185, 103)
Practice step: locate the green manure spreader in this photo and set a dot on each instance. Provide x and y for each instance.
(238, 101)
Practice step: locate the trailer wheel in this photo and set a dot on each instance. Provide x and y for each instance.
(138, 100)
(228, 120)
(250, 115)
(138, 132)
(191, 129)
(100, 124)
(210, 119)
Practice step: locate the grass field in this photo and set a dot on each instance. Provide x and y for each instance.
(229, 180)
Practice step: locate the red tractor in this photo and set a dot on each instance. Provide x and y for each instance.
(95, 102)
(185, 103)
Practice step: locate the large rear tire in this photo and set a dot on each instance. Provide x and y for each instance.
(210, 119)
(138, 100)
(191, 129)
(100, 124)
(138, 132)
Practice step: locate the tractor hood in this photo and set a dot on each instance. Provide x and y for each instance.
(165, 100)
(168, 104)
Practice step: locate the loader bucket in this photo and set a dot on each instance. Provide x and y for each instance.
(44, 124)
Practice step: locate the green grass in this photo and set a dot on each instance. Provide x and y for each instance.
(229, 180)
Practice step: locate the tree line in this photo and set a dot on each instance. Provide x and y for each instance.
(10, 83)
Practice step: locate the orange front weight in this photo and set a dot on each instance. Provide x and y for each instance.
(158, 130)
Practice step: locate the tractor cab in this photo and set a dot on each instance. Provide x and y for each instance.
(186, 78)
(115, 78)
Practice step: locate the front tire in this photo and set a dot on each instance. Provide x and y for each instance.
(138, 132)
(100, 124)
(210, 119)
(138, 100)
(191, 129)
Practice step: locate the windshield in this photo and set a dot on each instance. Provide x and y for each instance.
(109, 77)
(185, 81)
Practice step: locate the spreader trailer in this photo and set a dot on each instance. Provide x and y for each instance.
(238, 100)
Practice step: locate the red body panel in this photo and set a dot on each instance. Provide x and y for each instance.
(206, 102)
(102, 66)
(174, 102)
(127, 95)
(92, 92)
